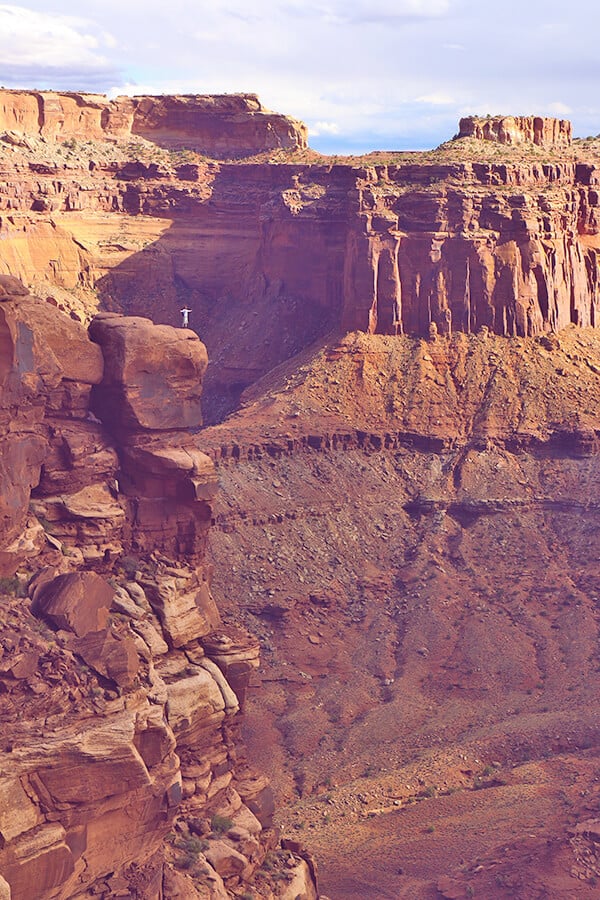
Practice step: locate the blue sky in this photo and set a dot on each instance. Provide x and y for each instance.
(363, 74)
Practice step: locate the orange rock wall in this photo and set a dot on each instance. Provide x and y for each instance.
(540, 130)
(116, 713)
(270, 257)
(230, 126)
(509, 247)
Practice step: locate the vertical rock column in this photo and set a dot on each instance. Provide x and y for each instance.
(149, 399)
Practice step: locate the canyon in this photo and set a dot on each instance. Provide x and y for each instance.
(340, 549)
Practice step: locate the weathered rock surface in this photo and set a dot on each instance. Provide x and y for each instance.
(116, 724)
(229, 125)
(394, 244)
(426, 597)
(75, 602)
(539, 130)
(48, 368)
(226, 126)
(152, 375)
(407, 522)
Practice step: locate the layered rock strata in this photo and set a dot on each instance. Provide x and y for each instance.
(508, 242)
(120, 687)
(540, 130)
(418, 520)
(231, 125)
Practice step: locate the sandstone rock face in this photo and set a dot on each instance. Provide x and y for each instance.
(462, 257)
(219, 126)
(48, 368)
(420, 517)
(59, 116)
(150, 398)
(57, 447)
(117, 724)
(509, 244)
(545, 132)
(230, 125)
(152, 375)
(76, 602)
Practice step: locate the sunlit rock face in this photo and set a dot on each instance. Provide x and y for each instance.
(120, 686)
(542, 131)
(234, 125)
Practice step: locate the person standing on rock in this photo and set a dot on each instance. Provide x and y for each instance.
(185, 312)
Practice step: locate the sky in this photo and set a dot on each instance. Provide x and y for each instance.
(363, 74)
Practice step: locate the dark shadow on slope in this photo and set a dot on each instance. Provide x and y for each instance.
(255, 251)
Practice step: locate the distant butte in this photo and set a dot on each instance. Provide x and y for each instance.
(229, 124)
(511, 130)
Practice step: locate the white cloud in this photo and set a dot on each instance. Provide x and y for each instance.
(319, 128)
(374, 10)
(386, 73)
(559, 109)
(364, 11)
(437, 98)
(29, 38)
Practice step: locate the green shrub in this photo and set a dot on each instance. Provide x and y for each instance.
(130, 565)
(12, 586)
(221, 824)
(192, 845)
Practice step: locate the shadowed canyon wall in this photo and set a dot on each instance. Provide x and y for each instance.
(271, 256)
(408, 524)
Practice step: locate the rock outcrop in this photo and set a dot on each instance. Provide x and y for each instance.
(120, 700)
(230, 126)
(227, 126)
(407, 520)
(543, 131)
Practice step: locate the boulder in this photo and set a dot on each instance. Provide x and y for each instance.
(236, 653)
(78, 602)
(186, 609)
(151, 636)
(46, 346)
(42, 860)
(17, 813)
(153, 374)
(226, 860)
(192, 699)
(112, 656)
(11, 287)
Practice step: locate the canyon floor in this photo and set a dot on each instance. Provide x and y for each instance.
(411, 528)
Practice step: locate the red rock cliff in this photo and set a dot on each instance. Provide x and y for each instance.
(119, 700)
(221, 126)
(272, 256)
(543, 131)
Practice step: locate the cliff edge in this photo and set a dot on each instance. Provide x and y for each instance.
(230, 125)
(120, 685)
